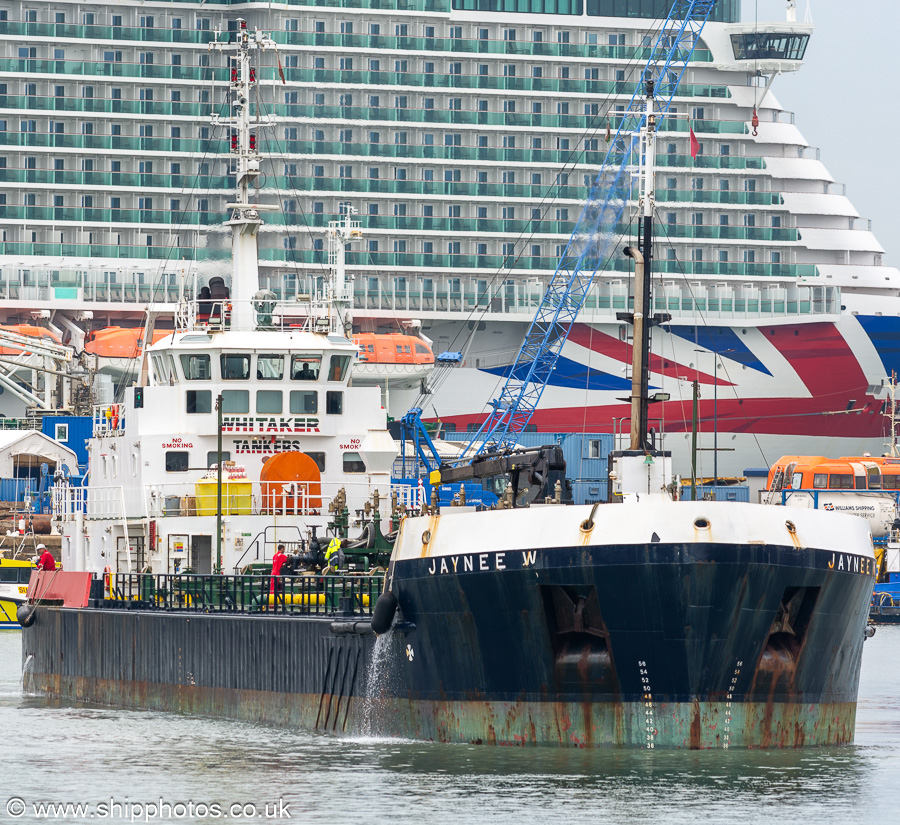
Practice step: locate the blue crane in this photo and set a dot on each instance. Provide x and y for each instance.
(594, 236)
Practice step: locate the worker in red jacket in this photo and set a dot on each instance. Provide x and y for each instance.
(278, 560)
(46, 561)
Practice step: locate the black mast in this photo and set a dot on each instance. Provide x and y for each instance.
(641, 319)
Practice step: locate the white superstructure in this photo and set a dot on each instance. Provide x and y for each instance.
(264, 377)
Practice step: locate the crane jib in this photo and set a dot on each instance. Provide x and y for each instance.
(595, 236)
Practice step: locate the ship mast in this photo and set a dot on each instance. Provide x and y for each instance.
(339, 289)
(245, 220)
(642, 470)
(642, 256)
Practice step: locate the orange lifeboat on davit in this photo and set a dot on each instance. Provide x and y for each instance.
(118, 348)
(119, 342)
(399, 360)
(28, 331)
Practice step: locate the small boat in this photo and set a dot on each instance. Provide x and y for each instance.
(14, 577)
(400, 360)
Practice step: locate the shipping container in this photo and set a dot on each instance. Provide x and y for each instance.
(73, 431)
(15, 489)
(722, 492)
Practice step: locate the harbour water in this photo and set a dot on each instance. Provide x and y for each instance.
(134, 766)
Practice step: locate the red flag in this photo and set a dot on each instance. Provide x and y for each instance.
(695, 144)
(280, 70)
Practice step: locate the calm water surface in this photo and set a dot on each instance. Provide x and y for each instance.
(61, 753)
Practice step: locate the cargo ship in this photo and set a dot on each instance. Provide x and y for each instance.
(462, 132)
(650, 623)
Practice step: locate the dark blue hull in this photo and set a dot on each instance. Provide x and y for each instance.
(695, 646)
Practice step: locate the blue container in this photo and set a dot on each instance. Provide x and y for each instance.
(722, 492)
(73, 431)
(589, 491)
(15, 489)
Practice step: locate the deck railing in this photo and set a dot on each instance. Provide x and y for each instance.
(300, 595)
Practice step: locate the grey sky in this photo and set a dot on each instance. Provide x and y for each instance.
(845, 102)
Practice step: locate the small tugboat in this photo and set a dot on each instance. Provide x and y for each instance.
(649, 623)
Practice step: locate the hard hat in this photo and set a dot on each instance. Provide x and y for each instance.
(41, 547)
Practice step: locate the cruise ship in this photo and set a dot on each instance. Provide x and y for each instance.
(464, 133)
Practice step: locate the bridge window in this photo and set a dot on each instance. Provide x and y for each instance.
(270, 367)
(305, 367)
(196, 367)
(304, 401)
(177, 461)
(532, 6)
(235, 401)
(840, 481)
(339, 366)
(353, 463)
(334, 402)
(198, 401)
(269, 401)
(235, 367)
(769, 46)
(163, 369)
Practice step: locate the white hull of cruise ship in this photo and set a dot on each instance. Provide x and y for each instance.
(446, 128)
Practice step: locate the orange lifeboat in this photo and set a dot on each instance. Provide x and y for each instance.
(118, 348)
(400, 360)
(119, 342)
(864, 486)
(28, 331)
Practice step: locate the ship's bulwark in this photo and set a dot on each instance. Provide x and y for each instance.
(661, 646)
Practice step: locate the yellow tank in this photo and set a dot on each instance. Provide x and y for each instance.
(236, 497)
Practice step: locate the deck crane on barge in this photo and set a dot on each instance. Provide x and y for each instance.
(492, 448)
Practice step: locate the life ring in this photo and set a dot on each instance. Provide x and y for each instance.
(107, 582)
(114, 417)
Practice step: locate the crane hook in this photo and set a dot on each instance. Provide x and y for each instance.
(754, 122)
